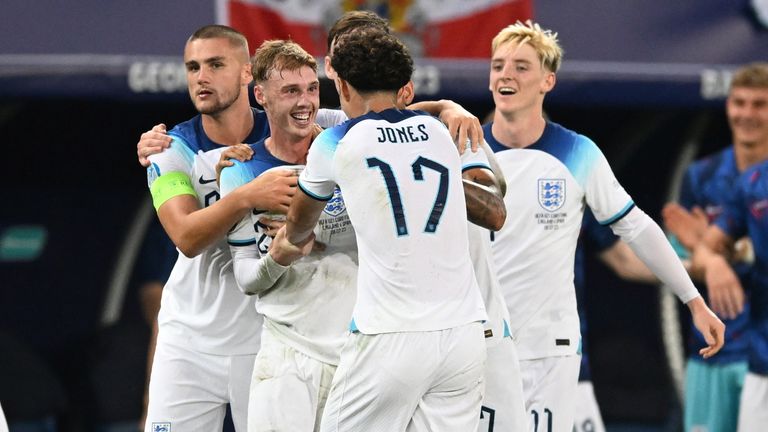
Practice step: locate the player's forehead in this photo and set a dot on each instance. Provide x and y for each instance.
(301, 76)
(749, 94)
(515, 51)
(202, 49)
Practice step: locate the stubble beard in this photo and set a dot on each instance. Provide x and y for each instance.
(220, 105)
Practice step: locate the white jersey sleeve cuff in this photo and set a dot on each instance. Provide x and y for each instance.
(255, 273)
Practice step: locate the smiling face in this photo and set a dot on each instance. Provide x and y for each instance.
(518, 81)
(747, 111)
(218, 74)
(291, 99)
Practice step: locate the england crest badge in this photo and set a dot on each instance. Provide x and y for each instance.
(335, 205)
(551, 194)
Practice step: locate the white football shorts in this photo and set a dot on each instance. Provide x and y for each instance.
(753, 409)
(288, 388)
(189, 390)
(414, 381)
(503, 407)
(549, 388)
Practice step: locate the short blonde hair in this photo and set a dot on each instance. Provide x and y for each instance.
(753, 75)
(279, 55)
(543, 41)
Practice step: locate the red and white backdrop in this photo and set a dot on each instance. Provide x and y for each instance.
(431, 28)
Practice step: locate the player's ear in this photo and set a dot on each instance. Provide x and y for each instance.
(343, 88)
(258, 94)
(405, 95)
(549, 82)
(329, 72)
(247, 75)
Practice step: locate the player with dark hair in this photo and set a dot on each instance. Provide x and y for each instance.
(401, 178)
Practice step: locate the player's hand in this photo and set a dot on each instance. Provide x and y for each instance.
(688, 227)
(462, 126)
(152, 142)
(725, 291)
(241, 152)
(271, 191)
(709, 325)
(285, 252)
(271, 225)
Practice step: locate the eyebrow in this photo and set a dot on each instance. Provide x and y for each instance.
(290, 86)
(213, 59)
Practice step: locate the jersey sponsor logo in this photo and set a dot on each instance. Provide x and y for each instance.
(206, 181)
(551, 194)
(335, 205)
(161, 427)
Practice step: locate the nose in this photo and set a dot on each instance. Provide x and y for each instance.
(202, 75)
(509, 69)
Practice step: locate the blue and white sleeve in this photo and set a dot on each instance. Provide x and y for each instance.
(317, 179)
(471, 160)
(328, 118)
(604, 194)
(243, 234)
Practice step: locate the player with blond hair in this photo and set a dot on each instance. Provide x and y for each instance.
(556, 173)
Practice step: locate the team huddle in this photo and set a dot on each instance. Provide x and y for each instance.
(388, 270)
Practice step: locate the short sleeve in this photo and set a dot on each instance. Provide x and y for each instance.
(328, 118)
(317, 179)
(471, 160)
(232, 177)
(176, 158)
(605, 196)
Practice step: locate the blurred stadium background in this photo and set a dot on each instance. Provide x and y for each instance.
(80, 81)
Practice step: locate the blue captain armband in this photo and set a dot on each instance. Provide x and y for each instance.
(170, 185)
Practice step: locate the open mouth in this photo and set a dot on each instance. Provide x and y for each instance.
(304, 116)
(507, 91)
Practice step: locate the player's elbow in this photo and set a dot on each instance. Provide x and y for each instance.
(499, 216)
(491, 216)
(189, 249)
(247, 287)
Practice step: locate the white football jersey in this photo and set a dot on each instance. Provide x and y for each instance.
(201, 307)
(400, 175)
(497, 324)
(310, 305)
(549, 182)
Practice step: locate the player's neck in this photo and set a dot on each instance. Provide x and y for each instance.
(231, 126)
(517, 130)
(748, 154)
(289, 148)
(377, 102)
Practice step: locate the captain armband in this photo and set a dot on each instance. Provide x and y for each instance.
(170, 185)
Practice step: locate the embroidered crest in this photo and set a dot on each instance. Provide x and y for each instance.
(551, 194)
(335, 205)
(161, 427)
